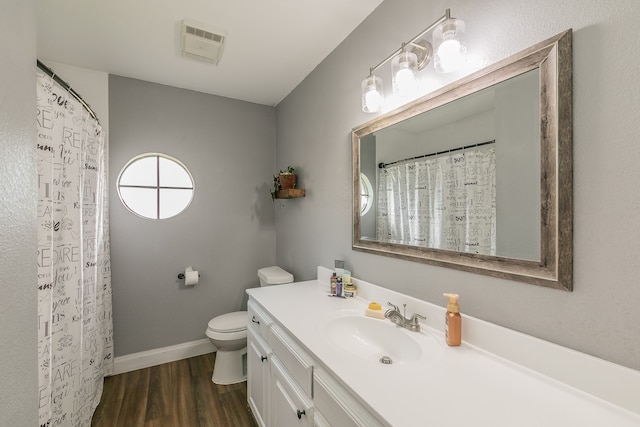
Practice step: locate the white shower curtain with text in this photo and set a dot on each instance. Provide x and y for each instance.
(445, 201)
(74, 273)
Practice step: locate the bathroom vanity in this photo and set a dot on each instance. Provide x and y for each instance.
(315, 360)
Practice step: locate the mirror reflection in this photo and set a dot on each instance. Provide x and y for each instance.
(462, 177)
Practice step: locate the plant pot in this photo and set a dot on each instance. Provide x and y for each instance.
(287, 180)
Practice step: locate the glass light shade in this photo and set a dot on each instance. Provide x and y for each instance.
(449, 46)
(403, 72)
(372, 94)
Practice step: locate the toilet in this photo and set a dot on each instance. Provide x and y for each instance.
(228, 333)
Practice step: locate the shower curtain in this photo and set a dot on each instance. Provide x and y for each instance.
(74, 279)
(446, 201)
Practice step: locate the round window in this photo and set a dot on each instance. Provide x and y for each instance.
(155, 186)
(366, 194)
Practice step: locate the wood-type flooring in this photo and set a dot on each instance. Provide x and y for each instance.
(176, 394)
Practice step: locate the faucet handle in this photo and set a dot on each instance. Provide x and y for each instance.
(389, 311)
(416, 316)
(414, 323)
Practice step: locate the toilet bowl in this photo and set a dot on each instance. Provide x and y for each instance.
(228, 333)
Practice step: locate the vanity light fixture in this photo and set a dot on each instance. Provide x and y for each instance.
(414, 56)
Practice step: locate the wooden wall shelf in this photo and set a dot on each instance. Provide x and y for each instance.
(290, 193)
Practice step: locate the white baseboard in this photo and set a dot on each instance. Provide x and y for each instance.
(158, 356)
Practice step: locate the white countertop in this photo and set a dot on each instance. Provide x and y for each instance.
(458, 386)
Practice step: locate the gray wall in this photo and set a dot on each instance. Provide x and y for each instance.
(18, 270)
(601, 317)
(227, 233)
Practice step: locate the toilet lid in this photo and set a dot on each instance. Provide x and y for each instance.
(274, 275)
(230, 322)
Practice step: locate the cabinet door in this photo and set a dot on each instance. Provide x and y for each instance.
(319, 420)
(258, 377)
(337, 405)
(289, 405)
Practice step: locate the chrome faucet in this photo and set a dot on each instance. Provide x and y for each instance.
(393, 314)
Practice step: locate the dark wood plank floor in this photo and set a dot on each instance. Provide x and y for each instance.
(176, 394)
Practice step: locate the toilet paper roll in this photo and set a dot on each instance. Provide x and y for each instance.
(191, 276)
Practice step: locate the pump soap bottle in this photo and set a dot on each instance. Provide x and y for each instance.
(453, 321)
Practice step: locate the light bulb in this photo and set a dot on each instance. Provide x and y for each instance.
(448, 43)
(373, 100)
(450, 55)
(372, 95)
(403, 68)
(405, 82)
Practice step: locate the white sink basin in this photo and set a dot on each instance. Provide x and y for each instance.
(373, 339)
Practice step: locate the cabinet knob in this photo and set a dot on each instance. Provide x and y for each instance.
(300, 413)
(263, 358)
(253, 319)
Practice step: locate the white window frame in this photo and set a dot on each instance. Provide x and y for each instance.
(157, 185)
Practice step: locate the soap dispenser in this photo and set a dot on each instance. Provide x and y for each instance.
(453, 321)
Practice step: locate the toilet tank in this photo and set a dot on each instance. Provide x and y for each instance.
(274, 276)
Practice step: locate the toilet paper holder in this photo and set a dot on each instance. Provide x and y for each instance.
(181, 276)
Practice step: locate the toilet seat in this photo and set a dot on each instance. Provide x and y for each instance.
(230, 322)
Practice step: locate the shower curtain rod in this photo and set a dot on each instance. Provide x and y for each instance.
(384, 165)
(68, 88)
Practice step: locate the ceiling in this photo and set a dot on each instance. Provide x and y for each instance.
(270, 45)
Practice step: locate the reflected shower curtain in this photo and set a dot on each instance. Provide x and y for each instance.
(74, 273)
(446, 201)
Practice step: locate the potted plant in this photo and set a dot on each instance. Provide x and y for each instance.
(285, 179)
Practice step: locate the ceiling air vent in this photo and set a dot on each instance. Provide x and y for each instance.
(201, 43)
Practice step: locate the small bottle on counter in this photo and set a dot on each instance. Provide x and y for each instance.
(453, 321)
(339, 287)
(346, 277)
(334, 279)
(350, 290)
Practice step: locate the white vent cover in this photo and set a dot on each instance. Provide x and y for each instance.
(200, 42)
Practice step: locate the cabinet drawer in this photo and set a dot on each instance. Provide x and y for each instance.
(338, 406)
(259, 321)
(290, 407)
(297, 361)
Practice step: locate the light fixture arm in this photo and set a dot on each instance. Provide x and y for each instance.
(446, 16)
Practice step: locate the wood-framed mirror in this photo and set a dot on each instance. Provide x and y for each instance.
(476, 176)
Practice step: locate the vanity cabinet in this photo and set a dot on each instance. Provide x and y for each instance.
(287, 387)
(258, 369)
(311, 371)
